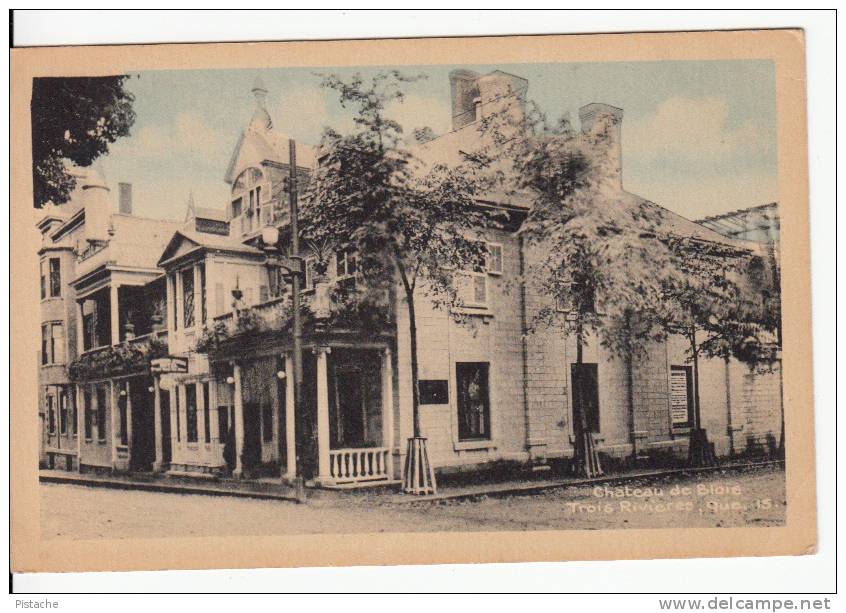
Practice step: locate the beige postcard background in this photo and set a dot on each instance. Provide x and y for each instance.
(784, 47)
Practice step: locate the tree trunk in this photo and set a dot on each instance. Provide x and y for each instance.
(700, 453)
(415, 390)
(585, 457)
(418, 476)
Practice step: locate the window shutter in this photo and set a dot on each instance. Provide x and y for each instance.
(263, 294)
(218, 299)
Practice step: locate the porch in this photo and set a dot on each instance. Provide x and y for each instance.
(343, 432)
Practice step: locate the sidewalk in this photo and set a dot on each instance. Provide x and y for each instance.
(273, 489)
(259, 489)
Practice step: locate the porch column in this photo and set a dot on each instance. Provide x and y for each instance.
(115, 313)
(290, 420)
(388, 409)
(157, 421)
(239, 421)
(113, 409)
(79, 400)
(173, 391)
(323, 472)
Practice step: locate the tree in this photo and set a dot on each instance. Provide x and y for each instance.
(595, 252)
(74, 119)
(409, 225)
(720, 304)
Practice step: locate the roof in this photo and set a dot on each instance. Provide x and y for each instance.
(139, 240)
(184, 241)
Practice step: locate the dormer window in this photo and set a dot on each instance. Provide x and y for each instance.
(246, 200)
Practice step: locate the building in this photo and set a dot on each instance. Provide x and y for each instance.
(210, 390)
(102, 298)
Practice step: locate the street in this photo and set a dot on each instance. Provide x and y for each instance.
(713, 499)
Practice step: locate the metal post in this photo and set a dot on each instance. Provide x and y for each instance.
(298, 332)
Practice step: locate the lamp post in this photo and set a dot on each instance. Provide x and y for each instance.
(297, 362)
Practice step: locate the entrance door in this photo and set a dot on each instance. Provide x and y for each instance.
(350, 424)
(143, 446)
(585, 383)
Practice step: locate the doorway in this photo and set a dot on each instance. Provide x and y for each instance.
(143, 444)
(585, 383)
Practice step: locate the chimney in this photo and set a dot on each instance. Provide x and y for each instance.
(503, 94)
(464, 90)
(604, 120)
(125, 198)
(98, 206)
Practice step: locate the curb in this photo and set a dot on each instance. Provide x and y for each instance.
(517, 490)
(163, 488)
(530, 488)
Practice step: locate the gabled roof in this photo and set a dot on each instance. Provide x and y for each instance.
(257, 146)
(186, 241)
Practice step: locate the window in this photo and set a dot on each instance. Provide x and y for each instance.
(172, 281)
(236, 207)
(345, 264)
(88, 417)
(493, 262)
(63, 412)
(51, 415)
(206, 414)
(585, 384)
(191, 413)
(473, 289)
(43, 270)
(223, 396)
(74, 414)
(101, 413)
(471, 380)
(681, 396)
(178, 415)
(203, 307)
(308, 284)
(188, 297)
(246, 199)
(45, 344)
(55, 278)
(52, 343)
(57, 343)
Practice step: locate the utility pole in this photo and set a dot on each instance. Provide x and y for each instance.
(298, 331)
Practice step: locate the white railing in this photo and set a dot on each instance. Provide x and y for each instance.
(357, 465)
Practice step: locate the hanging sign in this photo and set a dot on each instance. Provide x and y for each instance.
(164, 365)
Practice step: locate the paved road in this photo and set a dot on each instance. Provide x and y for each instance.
(751, 498)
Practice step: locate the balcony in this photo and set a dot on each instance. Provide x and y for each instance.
(127, 358)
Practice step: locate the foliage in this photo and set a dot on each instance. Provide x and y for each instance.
(371, 195)
(75, 119)
(355, 306)
(211, 337)
(727, 295)
(126, 358)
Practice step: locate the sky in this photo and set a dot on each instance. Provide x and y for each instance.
(699, 138)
